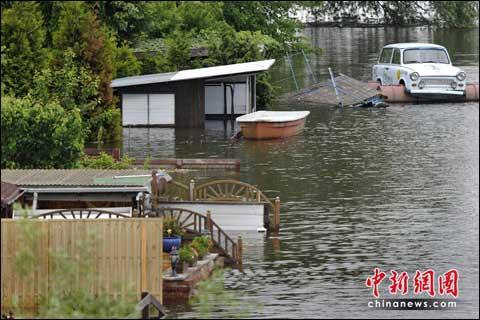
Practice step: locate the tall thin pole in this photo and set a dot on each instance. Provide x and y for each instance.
(335, 87)
(291, 69)
(309, 67)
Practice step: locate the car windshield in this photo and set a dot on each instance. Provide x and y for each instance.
(425, 56)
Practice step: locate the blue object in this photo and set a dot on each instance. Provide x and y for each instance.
(169, 242)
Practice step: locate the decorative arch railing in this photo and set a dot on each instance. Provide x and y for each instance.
(196, 223)
(227, 190)
(80, 214)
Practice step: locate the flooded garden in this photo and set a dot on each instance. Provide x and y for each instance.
(393, 188)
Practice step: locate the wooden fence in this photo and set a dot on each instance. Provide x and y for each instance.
(126, 257)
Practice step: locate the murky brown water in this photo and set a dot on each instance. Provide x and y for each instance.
(394, 189)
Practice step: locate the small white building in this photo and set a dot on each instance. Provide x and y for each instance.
(186, 98)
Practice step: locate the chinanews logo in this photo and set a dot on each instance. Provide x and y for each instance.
(445, 287)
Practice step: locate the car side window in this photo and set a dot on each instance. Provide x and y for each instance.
(396, 56)
(386, 55)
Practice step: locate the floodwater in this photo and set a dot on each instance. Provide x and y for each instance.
(394, 188)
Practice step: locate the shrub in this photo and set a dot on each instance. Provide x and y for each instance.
(186, 254)
(105, 161)
(39, 135)
(202, 245)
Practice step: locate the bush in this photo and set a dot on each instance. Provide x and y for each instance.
(105, 161)
(38, 135)
(202, 245)
(186, 254)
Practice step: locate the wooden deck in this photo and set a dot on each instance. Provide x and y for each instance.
(351, 92)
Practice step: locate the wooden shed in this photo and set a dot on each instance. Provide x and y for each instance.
(184, 99)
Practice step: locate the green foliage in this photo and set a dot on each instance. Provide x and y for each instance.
(186, 254)
(73, 86)
(459, 14)
(106, 161)
(126, 62)
(154, 62)
(171, 227)
(37, 135)
(271, 18)
(68, 296)
(23, 37)
(93, 45)
(202, 245)
(179, 46)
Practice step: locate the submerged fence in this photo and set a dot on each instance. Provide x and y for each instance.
(125, 257)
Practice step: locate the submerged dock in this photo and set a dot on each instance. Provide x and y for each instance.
(351, 92)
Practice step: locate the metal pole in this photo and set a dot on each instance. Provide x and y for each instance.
(291, 69)
(335, 87)
(308, 66)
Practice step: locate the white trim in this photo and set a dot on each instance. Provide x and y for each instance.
(201, 73)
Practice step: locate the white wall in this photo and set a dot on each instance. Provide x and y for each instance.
(240, 217)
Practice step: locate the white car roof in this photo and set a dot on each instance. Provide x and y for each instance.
(408, 45)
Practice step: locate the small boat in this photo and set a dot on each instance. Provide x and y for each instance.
(272, 124)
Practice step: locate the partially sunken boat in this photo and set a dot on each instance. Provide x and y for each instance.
(272, 124)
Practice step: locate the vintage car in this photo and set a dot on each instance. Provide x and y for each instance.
(422, 68)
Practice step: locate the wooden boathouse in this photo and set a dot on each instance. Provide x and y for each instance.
(184, 99)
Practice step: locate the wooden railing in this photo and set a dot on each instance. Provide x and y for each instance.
(80, 214)
(197, 223)
(227, 190)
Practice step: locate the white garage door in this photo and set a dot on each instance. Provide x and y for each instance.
(148, 109)
(162, 109)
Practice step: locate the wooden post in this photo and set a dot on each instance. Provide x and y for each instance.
(276, 215)
(258, 195)
(191, 190)
(143, 256)
(209, 223)
(240, 251)
(145, 310)
(154, 184)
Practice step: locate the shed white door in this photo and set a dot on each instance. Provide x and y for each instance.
(148, 109)
(162, 109)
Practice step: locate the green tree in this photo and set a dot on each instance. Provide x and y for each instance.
(93, 45)
(272, 18)
(179, 48)
(38, 135)
(23, 37)
(126, 63)
(459, 14)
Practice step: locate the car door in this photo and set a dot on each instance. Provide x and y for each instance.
(383, 70)
(394, 71)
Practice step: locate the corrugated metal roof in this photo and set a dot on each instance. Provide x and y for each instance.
(10, 193)
(74, 177)
(211, 72)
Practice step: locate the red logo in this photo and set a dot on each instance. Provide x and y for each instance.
(375, 281)
(399, 282)
(422, 282)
